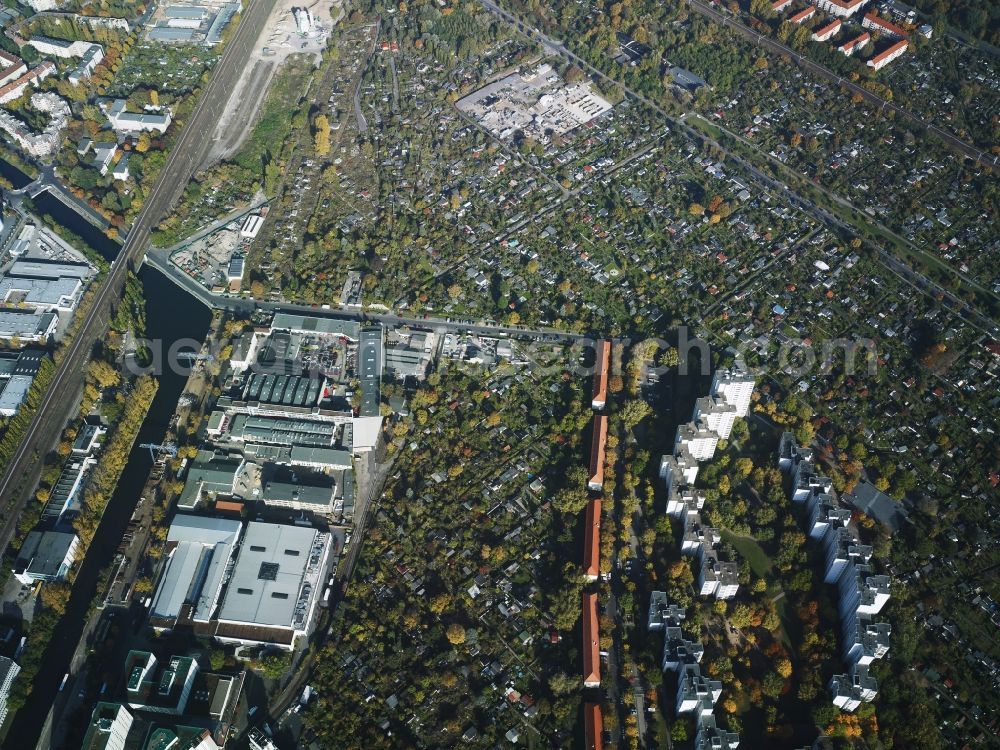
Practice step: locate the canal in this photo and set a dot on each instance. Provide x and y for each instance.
(171, 314)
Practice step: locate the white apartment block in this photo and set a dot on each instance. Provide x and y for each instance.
(865, 641)
(827, 32)
(697, 440)
(678, 470)
(824, 514)
(841, 8)
(862, 593)
(696, 693)
(715, 577)
(734, 387)
(881, 60)
(806, 482)
(9, 669)
(716, 414)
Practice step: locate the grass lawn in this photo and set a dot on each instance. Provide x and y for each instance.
(747, 547)
(761, 565)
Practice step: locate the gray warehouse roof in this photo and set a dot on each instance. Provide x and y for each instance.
(196, 566)
(310, 324)
(276, 577)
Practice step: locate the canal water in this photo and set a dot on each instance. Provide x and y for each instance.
(15, 176)
(46, 203)
(171, 314)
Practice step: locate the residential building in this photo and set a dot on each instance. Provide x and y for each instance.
(734, 386)
(133, 122)
(857, 43)
(780, 6)
(697, 440)
(599, 438)
(841, 549)
(104, 154)
(715, 577)
(165, 689)
(841, 8)
(9, 670)
(716, 414)
(11, 68)
(881, 60)
(827, 32)
(696, 693)
(109, 727)
(593, 726)
(591, 642)
(861, 592)
(711, 737)
(603, 359)
(803, 15)
(39, 142)
(16, 88)
(678, 470)
(884, 27)
(88, 63)
(824, 514)
(59, 47)
(120, 171)
(592, 541)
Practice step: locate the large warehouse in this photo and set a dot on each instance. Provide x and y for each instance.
(253, 583)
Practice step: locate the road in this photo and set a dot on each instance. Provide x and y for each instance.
(953, 142)
(158, 259)
(186, 154)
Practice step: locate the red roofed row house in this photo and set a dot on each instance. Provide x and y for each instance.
(881, 60)
(853, 45)
(827, 31)
(593, 724)
(780, 5)
(15, 88)
(591, 642)
(875, 23)
(600, 437)
(601, 374)
(592, 541)
(803, 15)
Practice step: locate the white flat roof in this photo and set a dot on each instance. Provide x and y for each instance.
(196, 566)
(277, 576)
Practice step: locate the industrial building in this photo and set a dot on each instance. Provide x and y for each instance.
(275, 585)
(258, 583)
(46, 556)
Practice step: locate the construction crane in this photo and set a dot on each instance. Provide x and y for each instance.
(169, 448)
